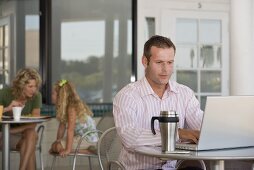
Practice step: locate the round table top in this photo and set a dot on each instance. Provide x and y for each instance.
(9, 120)
(223, 154)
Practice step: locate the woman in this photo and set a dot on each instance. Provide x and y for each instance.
(23, 92)
(74, 116)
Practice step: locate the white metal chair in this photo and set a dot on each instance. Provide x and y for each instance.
(106, 122)
(79, 152)
(40, 131)
(109, 148)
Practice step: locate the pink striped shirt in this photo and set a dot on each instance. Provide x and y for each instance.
(133, 108)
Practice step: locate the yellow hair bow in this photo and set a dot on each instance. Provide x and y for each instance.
(62, 82)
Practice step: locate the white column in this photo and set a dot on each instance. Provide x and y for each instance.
(242, 59)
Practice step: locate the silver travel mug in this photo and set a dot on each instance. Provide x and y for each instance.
(168, 121)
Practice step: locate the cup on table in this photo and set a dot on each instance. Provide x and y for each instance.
(1, 111)
(16, 110)
(168, 122)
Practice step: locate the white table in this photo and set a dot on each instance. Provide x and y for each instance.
(6, 137)
(216, 157)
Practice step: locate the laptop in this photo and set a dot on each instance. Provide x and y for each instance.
(228, 122)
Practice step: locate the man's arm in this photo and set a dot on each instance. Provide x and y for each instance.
(129, 124)
(193, 120)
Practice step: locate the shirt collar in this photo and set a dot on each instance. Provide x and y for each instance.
(147, 89)
(172, 87)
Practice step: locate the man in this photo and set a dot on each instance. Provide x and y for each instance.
(137, 103)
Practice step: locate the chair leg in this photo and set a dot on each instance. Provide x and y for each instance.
(90, 163)
(74, 163)
(53, 162)
(41, 160)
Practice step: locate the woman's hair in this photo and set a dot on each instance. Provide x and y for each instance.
(22, 78)
(67, 97)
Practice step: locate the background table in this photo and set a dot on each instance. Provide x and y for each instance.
(6, 137)
(216, 157)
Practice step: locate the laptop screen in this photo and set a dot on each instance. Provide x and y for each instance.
(228, 122)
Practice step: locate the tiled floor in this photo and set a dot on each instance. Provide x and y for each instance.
(77, 168)
(66, 164)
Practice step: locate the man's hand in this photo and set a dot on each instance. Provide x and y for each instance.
(188, 134)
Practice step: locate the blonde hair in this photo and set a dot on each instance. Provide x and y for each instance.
(67, 97)
(22, 78)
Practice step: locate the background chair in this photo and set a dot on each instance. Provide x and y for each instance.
(40, 131)
(109, 148)
(105, 123)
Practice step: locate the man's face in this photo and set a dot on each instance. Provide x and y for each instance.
(160, 67)
(30, 89)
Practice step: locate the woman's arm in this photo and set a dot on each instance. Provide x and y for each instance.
(12, 104)
(36, 112)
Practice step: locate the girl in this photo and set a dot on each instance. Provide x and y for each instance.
(74, 116)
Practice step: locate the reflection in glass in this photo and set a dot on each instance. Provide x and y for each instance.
(6, 35)
(150, 27)
(188, 78)
(82, 55)
(210, 56)
(32, 40)
(211, 81)
(210, 31)
(1, 37)
(92, 48)
(186, 30)
(4, 56)
(186, 57)
(1, 58)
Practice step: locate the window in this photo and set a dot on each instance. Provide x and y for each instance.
(19, 37)
(32, 41)
(4, 52)
(198, 58)
(92, 48)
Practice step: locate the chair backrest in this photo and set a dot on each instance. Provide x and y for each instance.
(106, 122)
(40, 131)
(109, 148)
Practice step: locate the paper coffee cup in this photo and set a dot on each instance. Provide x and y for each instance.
(16, 112)
(1, 111)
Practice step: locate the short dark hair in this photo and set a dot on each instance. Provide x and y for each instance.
(157, 41)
